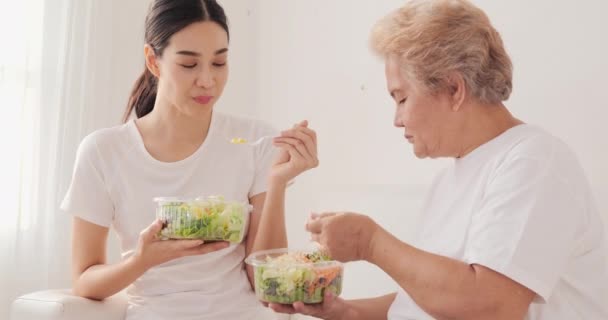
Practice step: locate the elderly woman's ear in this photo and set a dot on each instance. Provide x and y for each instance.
(456, 89)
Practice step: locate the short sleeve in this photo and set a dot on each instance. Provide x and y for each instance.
(526, 226)
(264, 155)
(87, 197)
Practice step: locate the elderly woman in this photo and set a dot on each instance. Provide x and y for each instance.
(510, 229)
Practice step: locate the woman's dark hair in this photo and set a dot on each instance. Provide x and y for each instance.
(165, 18)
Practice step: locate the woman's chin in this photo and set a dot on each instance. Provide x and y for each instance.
(197, 110)
(420, 154)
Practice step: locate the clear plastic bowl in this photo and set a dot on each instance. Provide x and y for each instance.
(209, 219)
(287, 281)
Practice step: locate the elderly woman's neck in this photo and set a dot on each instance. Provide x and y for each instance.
(485, 122)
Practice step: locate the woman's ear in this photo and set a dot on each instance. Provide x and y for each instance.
(457, 89)
(151, 60)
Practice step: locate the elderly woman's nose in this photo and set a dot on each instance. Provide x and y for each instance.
(397, 121)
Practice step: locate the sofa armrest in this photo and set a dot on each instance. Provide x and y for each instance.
(63, 305)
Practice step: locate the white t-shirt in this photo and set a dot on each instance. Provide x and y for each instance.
(520, 205)
(115, 180)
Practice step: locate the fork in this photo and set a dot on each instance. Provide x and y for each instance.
(246, 142)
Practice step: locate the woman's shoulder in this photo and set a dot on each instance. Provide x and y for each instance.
(105, 138)
(540, 151)
(536, 142)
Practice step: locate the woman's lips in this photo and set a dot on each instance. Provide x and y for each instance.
(203, 99)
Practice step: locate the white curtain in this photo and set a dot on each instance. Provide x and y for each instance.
(66, 67)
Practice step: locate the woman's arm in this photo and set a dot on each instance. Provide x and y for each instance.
(298, 153)
(372, 308)
(94, 279)
(443, 287)
(446, 288)
(267, 227)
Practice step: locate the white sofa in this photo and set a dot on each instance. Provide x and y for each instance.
(63, 305)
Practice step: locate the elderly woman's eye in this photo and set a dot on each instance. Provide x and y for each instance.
(402, 101)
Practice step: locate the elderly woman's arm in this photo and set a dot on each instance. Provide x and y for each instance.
(372, 308)
(443, 287)
(447, 288)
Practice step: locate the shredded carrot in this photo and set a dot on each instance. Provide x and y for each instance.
(328, 273)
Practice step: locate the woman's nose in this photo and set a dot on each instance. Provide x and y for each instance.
(205, 78)
(397, 121)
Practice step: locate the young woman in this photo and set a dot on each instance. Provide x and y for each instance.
(177, 145)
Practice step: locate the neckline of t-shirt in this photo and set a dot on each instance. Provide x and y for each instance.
(139, 141)
(487, 146)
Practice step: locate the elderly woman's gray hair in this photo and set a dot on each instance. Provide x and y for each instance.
(435, 38)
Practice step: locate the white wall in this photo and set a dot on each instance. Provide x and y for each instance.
(314, 63)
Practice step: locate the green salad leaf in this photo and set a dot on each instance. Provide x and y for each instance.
(211, 219)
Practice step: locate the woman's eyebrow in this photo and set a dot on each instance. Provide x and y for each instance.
(198, 54)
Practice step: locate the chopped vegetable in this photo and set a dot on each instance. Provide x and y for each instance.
(296, 276)
(211, 219)
(238, 141)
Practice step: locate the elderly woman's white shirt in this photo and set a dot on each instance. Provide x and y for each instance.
(520, 205)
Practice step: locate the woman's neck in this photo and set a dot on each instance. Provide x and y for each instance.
(170, 124)
(485, 124)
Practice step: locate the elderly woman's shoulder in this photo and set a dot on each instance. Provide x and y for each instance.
(537, 143)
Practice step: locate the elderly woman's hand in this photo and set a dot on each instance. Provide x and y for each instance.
(345, 236)
(332, 308)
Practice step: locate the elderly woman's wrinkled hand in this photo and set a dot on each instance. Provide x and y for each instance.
(344, 236)
(332, 308)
